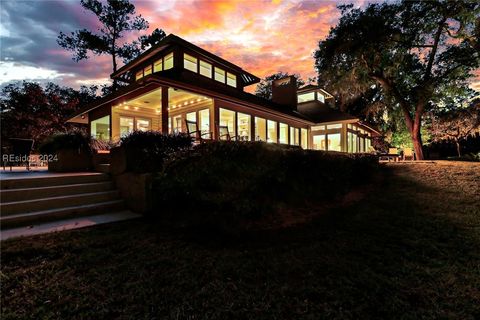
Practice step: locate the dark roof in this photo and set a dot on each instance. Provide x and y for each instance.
(319, 112)
(171, 39)
(308, 87)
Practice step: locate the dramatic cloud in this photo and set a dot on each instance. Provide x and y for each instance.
(262, 37)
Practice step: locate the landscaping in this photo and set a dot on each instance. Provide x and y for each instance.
(406, 247)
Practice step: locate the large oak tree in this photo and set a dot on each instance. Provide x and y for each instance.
(117, 18)
(416, 51)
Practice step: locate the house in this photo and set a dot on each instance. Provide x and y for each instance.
(176, 83)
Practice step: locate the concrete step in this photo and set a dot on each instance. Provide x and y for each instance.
(103, 167)
(23, 194)
(17, 207)
(23, 219)
(53, 180)
(68, 224)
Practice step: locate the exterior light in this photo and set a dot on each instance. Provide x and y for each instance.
(198, 100)
(136, 108)
(185, 103)
(192, 101)
(126, 107)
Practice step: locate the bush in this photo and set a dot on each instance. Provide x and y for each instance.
(147, 151)
(74, 140)
(224, 185)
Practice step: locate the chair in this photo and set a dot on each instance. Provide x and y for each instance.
(19, 153)
(408, 153)
(224, 133)
(194, 132)
(392, 154)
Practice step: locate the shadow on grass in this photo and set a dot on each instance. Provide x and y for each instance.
(385, 257)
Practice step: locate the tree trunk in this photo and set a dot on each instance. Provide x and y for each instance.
(417, 144)
(458, 148)
(114, 60)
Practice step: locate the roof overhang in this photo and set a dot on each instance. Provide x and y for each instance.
(154, 81)
(171, 40)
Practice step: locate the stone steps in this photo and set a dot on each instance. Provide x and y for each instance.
(38, 201)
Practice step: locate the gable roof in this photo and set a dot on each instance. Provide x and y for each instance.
(172, 39)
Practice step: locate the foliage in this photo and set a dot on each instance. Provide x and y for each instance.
(117, 18)
(456, 125)
(76, 140)
(225, 185)
(147, 151)
(264, 88)
(415, 51)
(28, 110)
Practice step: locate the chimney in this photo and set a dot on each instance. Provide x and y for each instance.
(284, 91)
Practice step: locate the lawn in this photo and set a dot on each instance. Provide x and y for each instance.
(408, 248)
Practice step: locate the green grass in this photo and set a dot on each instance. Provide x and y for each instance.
(409, 249)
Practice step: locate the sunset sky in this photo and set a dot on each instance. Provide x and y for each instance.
(262, 37)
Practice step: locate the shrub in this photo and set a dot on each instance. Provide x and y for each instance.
(147, 151)
(75, 140)
(223, 185)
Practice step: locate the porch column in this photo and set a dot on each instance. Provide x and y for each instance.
(216, 119)
(164, 110)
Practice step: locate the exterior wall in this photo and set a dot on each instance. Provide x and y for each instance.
(221, 104)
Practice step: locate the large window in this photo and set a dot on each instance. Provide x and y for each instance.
(205, 69)
(143, 124)
(272, 131)
(294, 136)
(126, 125)
(204, 120)
(304, 138)
(177, 123)
(334, 142)
(192, 116)
(220, 75)
(168, 61)
(319, 142)
(227, 118)
(283, 133)
(189, 62)
(352, 142)
(100, 128)
(231, 79)
(304, 97)
(260, 129)
(243, 125)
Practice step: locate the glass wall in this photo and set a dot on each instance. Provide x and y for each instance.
(227, 118)
(304, 138)
(204, 120)
(294, 136)
(272, 131)
(100, 128)
(244, 125)
(126, 125)
(319, 142)
(334, 142)
(260, 129)
(283, 134)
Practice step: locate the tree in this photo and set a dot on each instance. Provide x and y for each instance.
(456, 125)
(416, 51)
(264, 88)
(117, 17)
(28, 110)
